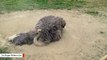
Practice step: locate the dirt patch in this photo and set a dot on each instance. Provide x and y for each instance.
(82, 40)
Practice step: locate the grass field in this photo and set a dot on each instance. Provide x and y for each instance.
(14, 5)
(95, 7)
(91, 6)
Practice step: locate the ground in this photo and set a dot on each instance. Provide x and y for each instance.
(84, 38)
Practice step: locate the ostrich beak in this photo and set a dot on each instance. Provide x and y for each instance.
(39, 30)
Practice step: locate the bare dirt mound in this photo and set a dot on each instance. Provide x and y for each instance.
(85, 36)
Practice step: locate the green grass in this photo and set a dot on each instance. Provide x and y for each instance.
(60, 4)
(14, 5)
(95, 13)
(95, 7)
(4, 50)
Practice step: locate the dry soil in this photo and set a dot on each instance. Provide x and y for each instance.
(84, 38)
